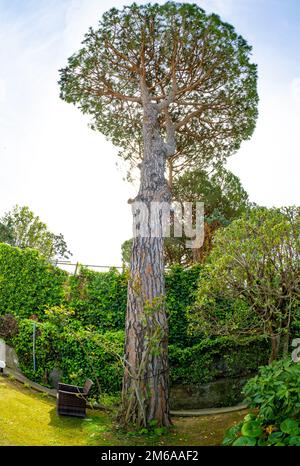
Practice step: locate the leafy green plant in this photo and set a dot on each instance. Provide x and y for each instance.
(77, 352)
(99, 298)
(59, 315)
(151, 430)
(253, 431)
(275, 393)
(28, 283)
(212, 358)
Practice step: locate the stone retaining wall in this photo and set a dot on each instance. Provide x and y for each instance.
(223, 392)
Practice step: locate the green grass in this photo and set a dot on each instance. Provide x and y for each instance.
(29, 418)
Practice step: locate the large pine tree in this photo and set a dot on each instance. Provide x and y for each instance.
(163, 83)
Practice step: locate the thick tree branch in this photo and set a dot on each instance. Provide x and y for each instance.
(132, 67)
(170, 143)
(188, 118)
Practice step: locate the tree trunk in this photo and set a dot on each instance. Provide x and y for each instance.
(145, 393)
(286, 343)
(275, 345)
(170, 173)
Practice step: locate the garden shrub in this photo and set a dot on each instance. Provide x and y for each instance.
(275, 395)
(275, 390)
(85, 354)
(99, 298)
(79, 353)
(181, 286)
(46, 349)
(220, 357)
(28, 283)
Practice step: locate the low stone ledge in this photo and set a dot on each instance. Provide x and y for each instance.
(40, 388)
(208, 411)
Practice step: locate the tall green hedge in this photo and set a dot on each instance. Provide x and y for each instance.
(28, 283)
(181, 285)
(99, 298)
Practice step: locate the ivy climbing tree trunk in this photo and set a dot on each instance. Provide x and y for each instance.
(146, 385)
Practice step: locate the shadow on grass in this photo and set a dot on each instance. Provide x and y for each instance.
(95, 428)
(64, 421)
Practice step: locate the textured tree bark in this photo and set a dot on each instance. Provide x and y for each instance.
(285, 343)
(145, 383)
(170, 177)
(275, 345)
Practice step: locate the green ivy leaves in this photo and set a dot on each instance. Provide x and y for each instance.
(28, 282)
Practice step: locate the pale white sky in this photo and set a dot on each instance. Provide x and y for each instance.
(67, 174)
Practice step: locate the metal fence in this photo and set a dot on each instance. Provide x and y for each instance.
(73, 268)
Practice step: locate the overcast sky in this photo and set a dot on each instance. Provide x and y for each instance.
(67, 174)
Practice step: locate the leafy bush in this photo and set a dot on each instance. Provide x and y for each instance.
(211, 359)
(181, 285)
(93, 355)
(253, 431)
(62, 343)
(77, 352)
(275, 393)
(99, 298)
(28, 283)
(46, 349)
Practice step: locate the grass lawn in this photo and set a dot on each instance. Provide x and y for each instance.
(29, 418)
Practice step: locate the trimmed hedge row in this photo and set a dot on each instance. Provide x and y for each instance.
(28, 283)
(99, 299)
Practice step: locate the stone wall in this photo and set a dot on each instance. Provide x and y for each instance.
(12, 361)
(221, 393)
